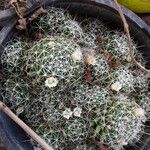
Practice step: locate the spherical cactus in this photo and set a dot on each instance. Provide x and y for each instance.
(54, 61)
(52, 21)
(94, 33)
(60, 125)
(118, 123)
(12, 57)
(45, 106)
(90, 98)
(76, 130)
(92, 25)
(71, 29)
(117, 45)
(46, 119)
(58, 22)
(16, 94)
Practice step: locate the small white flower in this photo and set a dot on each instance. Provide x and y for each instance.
(139, 113)
(129, 59)
(67, 113)
(116, 86)
(90, 59)
(77, 55)
(51, 82)
(77, 112)
(51, 44)
(19, 110)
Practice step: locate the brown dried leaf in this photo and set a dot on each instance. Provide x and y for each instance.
(88, 75)
(39, 35)
(22, 24)
(37, 13)
(113, 63)
(17, 4)
(99, 39)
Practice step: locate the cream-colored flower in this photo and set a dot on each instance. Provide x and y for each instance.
(67, 113)
(77, 112)
(51, 44)
(139, 113)
(90, 59)
(19, 110)
(77, 55)
(116, 86)
(129, 59)
(51, 82)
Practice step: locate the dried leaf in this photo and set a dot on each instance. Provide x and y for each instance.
(37, 13)
(113, 63)
(39, 35)
(99, 39)
(20, 9)
(88, 75)
(22, 24)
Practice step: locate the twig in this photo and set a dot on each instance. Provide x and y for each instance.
(126, 29)
(28, 130)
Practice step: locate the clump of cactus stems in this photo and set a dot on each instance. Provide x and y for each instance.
(76, 84)
(57, 59)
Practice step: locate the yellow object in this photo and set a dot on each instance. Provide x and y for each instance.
(138, 6)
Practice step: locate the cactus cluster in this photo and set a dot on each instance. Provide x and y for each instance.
(76, 84)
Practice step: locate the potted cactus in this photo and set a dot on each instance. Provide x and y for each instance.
(76, 84)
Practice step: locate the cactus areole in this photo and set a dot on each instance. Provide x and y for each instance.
(73, 80)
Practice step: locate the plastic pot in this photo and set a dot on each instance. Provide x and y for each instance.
(10, 134)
